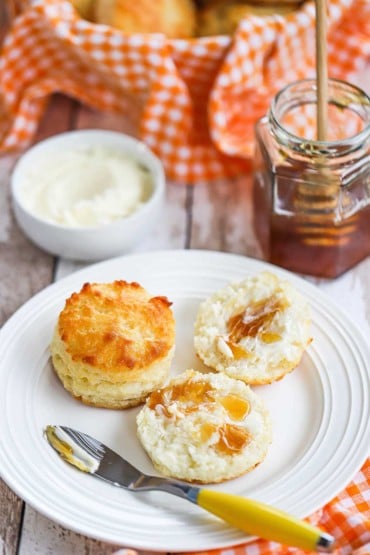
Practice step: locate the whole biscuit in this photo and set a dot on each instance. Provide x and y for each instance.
(174, 18)
(113, 344)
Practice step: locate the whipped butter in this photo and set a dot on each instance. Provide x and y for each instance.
(86, 187)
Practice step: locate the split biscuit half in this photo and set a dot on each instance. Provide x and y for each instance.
(204, 428)
(255, 330)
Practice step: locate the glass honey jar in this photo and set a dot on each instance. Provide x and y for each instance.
(312, 198)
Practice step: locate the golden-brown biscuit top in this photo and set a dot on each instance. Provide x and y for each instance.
(116, 326)
(174, 18)
(223, 18)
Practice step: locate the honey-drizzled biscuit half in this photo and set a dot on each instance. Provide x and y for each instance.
(255, 330)
(113, 344)
(204, 428)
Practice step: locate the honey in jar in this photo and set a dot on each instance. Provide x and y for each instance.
(312, 198)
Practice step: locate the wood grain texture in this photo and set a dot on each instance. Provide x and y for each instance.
(124, 122)
(11, 515)
(222, 217)
(24, 270)
(41, 535)
(56, 540)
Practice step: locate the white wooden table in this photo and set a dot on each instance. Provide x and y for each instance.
(214, 216)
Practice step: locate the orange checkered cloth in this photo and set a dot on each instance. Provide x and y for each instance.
(196, 101)
(346, 517)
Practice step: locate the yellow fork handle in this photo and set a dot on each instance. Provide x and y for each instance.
(258, 519)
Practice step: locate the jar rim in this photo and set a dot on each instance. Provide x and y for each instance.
(312, 146)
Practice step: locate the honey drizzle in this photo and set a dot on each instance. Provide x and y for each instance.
(236, 407)
(193, 394)
(254, 320)
(237, 351)
(270, 337)
(231, 438)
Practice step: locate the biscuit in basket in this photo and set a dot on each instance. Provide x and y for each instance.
(255, 330)
(174, 18)
(83, 7)
(223, 18)
(204, 428)
(113, 344)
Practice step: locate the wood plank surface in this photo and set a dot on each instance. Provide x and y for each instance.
(24, 270)
(222, 217)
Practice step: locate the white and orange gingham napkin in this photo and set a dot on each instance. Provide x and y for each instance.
(346, 517)
(196, 100)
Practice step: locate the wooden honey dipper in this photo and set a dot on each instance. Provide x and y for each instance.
(316, 198)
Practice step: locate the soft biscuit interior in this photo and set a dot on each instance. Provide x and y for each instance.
(204, 428)
(255, 330)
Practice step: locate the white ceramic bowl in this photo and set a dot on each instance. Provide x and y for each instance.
(89, 243)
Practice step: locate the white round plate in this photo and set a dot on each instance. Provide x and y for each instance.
(320, 412)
